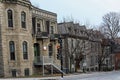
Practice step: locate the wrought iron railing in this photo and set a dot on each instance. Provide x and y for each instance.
(46, 60)
(42, 35)
(54, 36)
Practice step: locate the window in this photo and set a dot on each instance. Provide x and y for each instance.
(12, 50)
(26, 72)
(47, 26)
(50, 50)
(52, 30)
(14, 73)
(25, 53)
(23, 20)
(10, 18)
(92, 61)
(69, 29)
(38, 27)
(76, 31)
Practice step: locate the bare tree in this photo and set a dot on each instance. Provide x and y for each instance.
(110, 28)
(111, 25)
(104, 52)
(76, 52)
(72, 43)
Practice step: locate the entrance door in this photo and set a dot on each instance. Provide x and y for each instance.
(37, 52)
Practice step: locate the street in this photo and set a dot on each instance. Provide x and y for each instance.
(114, 75)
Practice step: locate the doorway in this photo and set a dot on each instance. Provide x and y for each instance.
(37, 52)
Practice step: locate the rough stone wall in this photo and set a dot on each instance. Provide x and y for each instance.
(1, 54)
(18, 35)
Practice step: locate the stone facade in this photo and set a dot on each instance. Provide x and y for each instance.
(74, 40)
(81, 47)
(37, 21)
(94, 49)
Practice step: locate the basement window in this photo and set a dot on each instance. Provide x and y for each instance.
(26, 72)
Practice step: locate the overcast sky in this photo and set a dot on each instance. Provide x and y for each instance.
(90, 11)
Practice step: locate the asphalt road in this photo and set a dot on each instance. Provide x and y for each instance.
(114, 75)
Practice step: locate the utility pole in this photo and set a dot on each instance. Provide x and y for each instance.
(61, 57)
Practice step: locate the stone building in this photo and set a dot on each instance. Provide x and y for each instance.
(28, 39)
(81, 47)
(107, 54)
(73, 37)
(94, 49)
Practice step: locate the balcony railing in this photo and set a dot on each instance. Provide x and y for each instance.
(37, 60)
(54, 36)
(48, 61)
(42, 35)
(45, 60)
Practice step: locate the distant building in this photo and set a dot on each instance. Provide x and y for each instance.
(80, 47)
(94, 50)
(116, 48)
(107, 55)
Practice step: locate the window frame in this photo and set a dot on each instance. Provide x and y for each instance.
(38, 27)
(12, 50)
(52, 29)
(23, 19)
(26, 72)
(50, 47)
(14, 72)
(10, 18)
(25, 50)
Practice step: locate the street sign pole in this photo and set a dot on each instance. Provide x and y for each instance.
(61, 57)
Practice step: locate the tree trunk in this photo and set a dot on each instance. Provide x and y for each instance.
(99, 66)
(70, 65)
(76, 66)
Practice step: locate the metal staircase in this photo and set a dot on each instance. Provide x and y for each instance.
(49, 64)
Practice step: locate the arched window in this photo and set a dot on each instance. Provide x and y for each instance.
(25, 52)
(23, 19)
(10, 18)
(12, 50)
